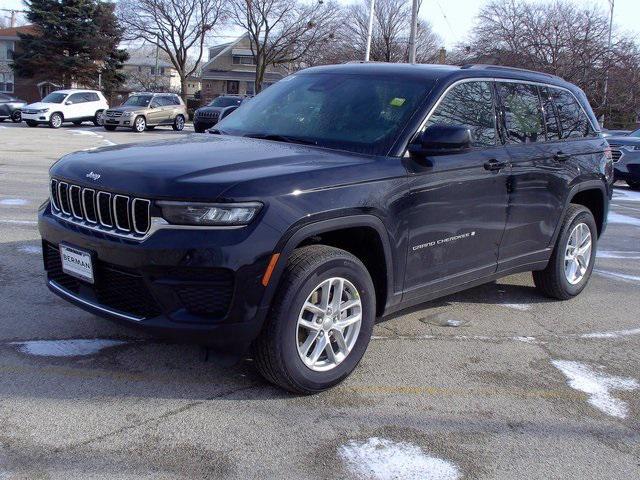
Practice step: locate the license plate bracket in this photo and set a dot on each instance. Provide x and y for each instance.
(77, 262)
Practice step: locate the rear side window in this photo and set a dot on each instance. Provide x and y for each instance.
(77, 98)
(469, 104)
(92, 97)
(550, 115)
(573, 121)
(523, 119)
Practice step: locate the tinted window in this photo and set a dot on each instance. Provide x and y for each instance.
(469, 104)
(523, 119)
(55, 97)
(137, 101)
(225, 101)
(550, 115)
(92, 97)
(77, 98)
(635, 133)
(359, 113)
(573, 121)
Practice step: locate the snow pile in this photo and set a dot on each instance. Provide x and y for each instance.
(65, 348)
(382, 459)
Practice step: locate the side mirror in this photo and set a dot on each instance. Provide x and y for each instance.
(442, 139)
(68, 102)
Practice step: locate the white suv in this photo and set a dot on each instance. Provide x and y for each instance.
(74, 106)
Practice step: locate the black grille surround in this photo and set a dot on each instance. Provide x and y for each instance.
(116, 214)
(115, 288)
(616, 152)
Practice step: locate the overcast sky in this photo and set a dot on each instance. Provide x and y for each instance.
(452, 19)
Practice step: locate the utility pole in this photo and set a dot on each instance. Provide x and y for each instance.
(369, 31)
(412, 34)
(606, 75)
(14, 16)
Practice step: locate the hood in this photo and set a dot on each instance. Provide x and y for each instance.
(623, 140)
(40, 105)
(204, 167)
(212, 109)
(127, 108)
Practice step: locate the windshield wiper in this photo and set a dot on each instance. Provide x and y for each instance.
(280, 138)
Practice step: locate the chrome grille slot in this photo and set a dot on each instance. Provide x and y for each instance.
(105, 212)
(616, 153)
(89, 205)
(104, 209)
(54, 194)
(75, 201)
(63, 195)
(141, 215)
(121, 212)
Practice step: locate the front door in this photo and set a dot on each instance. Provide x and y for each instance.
(458, 201)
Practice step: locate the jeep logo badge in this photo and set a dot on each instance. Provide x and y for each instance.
(93, 176)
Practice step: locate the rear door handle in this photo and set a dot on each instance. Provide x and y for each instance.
(561, 157)
(494, 165)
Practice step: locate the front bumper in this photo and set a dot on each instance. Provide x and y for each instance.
(191, 285)
(119, 121)
(628, 166)
(36, 117)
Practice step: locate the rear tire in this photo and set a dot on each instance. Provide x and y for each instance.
(199, 129)
(278, 349)
(634, 184)
(55, 120)
(556, 281)
(178, 123)
(98, 118)
(16, 116)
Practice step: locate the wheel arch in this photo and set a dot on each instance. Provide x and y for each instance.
(364, 236)
(594, 196)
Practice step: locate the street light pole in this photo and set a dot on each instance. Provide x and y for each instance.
(412, 34)
(606, 75)
(369, 31)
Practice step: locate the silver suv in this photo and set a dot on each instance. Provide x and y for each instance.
(145, 111)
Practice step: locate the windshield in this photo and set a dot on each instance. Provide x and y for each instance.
(346, 112)
(635, 133)
(54, 97)
(137, 101)
(225, 101)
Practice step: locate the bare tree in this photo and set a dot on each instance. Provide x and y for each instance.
(556, 37)
(179, 28)
(282, 32)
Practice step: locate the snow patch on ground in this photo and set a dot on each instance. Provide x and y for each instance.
(626, 195)
(619, 276)
(83, 132)
(30, 249)
(613, 334)
(13, 201)
(517, 306)
(526, 339)
(618, 254)
(598, 386)
(615, 217)
(65, 348)
(19, 222)
(383, 459)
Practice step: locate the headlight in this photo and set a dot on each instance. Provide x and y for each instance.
(127, 114)
(219, 214)
(43, 110)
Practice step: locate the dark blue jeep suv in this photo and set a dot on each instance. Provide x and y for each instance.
(338, 195)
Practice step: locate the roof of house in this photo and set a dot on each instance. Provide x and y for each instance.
(12, 32)
(217, 50)
(236, 75)
(147, 62)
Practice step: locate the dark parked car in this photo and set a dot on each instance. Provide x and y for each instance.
(614, 133)
(10, 107)
(626, 158)
(207, 116)
(341, 194)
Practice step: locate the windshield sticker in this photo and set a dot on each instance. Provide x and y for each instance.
(398, 102)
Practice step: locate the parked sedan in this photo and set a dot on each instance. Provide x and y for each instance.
(207, 116)
(11, 107)
(626, 158)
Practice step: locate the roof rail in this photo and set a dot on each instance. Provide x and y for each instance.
(482, 66)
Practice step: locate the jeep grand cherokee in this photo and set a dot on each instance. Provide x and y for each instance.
(338, 195)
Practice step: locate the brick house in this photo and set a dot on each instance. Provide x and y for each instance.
(28, 89)
(231, 69)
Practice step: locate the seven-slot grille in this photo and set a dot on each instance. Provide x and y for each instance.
(113, 113)
(616, 153)
(209, 115)
(115, 213)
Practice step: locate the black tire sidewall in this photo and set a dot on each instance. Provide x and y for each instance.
(16, 116)
(296, 369)
(582, 216)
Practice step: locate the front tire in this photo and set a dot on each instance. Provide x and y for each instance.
(634, 184)
(32, 123)
(55, 121)
(320, 321)
(139, 124)
(98, 118)
(16, 116)
(178, 123)
(573, 257)
(109, 128)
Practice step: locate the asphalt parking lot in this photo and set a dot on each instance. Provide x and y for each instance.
(494, 383)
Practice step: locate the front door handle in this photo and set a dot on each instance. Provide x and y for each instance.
(494, 165)
(561, 157)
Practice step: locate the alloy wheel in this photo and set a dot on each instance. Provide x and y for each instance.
(328, 324)
(140, 124)
(56, 120)
(578, 253)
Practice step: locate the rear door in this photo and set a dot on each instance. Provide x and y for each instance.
(538, 183)
(458, 202)
(75, 109)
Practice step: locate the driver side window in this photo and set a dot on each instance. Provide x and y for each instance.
(469, 104)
